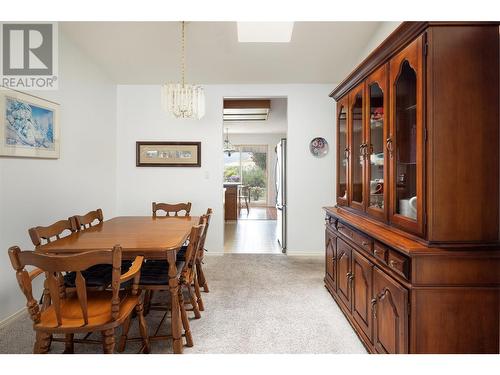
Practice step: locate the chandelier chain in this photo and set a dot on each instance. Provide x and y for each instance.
(183, 57)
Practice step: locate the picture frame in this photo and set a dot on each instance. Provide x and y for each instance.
(29, 126)
(168, 154)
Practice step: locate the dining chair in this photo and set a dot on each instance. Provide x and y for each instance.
(89, 219)
(98, 276)
(41, 235)
(81, 310)
(169, 210)
(172, 208)
(154, 277)
(244, 194)
(199, 276)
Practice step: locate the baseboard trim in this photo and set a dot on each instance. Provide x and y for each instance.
(13, 317)
(214, 253)
(295, 253)
(289, 253)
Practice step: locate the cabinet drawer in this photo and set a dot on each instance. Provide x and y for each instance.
(381, 252)
(362, 241)
(398, 263)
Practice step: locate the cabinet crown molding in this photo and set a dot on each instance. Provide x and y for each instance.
(395, 42)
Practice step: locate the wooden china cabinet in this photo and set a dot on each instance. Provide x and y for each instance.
(412, 245)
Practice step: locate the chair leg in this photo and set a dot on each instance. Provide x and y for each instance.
(148, 296)
(185, 320)
(46, 296)
(246, 204)
(143, 328)
(42, 343)
(201, 277)
(199, 301)
(192, 298)
(69, 345)
(46, 301)
(123, 337)
(108, 341)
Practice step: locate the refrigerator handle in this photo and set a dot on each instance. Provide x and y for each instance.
(276, 180)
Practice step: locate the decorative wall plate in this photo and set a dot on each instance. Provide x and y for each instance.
(318, 147)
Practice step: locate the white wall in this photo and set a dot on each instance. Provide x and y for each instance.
(385, 29)
(271, 140)
(310, 180)
(39, 192)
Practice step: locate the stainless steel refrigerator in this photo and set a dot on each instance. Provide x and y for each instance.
(281, 193)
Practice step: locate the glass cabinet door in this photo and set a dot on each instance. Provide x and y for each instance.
(376, 86)
(358, 148)
(406, 142)
(342, 152)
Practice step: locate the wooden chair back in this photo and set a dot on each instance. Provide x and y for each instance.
(54, 265)
(244, 190)
(41, 235)
(172, 208)
(201, 250)
(89, 219)
(193, 249)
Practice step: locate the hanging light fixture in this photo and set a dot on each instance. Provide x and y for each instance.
(180, 99)
(228, 147)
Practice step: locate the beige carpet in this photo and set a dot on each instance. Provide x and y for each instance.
(257, 304)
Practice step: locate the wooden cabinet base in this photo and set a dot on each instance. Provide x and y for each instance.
(406, 297)
(231, 203)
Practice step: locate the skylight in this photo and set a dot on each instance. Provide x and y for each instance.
(265, 32)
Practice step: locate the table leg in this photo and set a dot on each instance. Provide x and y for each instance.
(173, 284)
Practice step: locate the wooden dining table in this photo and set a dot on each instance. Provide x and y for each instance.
(151, 237)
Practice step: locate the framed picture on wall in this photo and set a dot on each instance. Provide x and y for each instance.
(168, 154)
(29, 126)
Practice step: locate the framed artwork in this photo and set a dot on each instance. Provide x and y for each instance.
(29, 126)
(168, 154)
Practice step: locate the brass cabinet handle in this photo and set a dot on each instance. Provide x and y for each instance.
(370, 149)
(393, 263)
(346, 153)
(361, 149)
(389, 146)
(374, 308)
(348, 275)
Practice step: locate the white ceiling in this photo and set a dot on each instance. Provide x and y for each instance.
(149, 52)
(276, 123)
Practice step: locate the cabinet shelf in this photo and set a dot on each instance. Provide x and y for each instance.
(407, 109)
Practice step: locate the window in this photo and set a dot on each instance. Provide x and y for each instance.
(248, 166)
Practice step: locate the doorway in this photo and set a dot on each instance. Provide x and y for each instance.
(251, 177)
